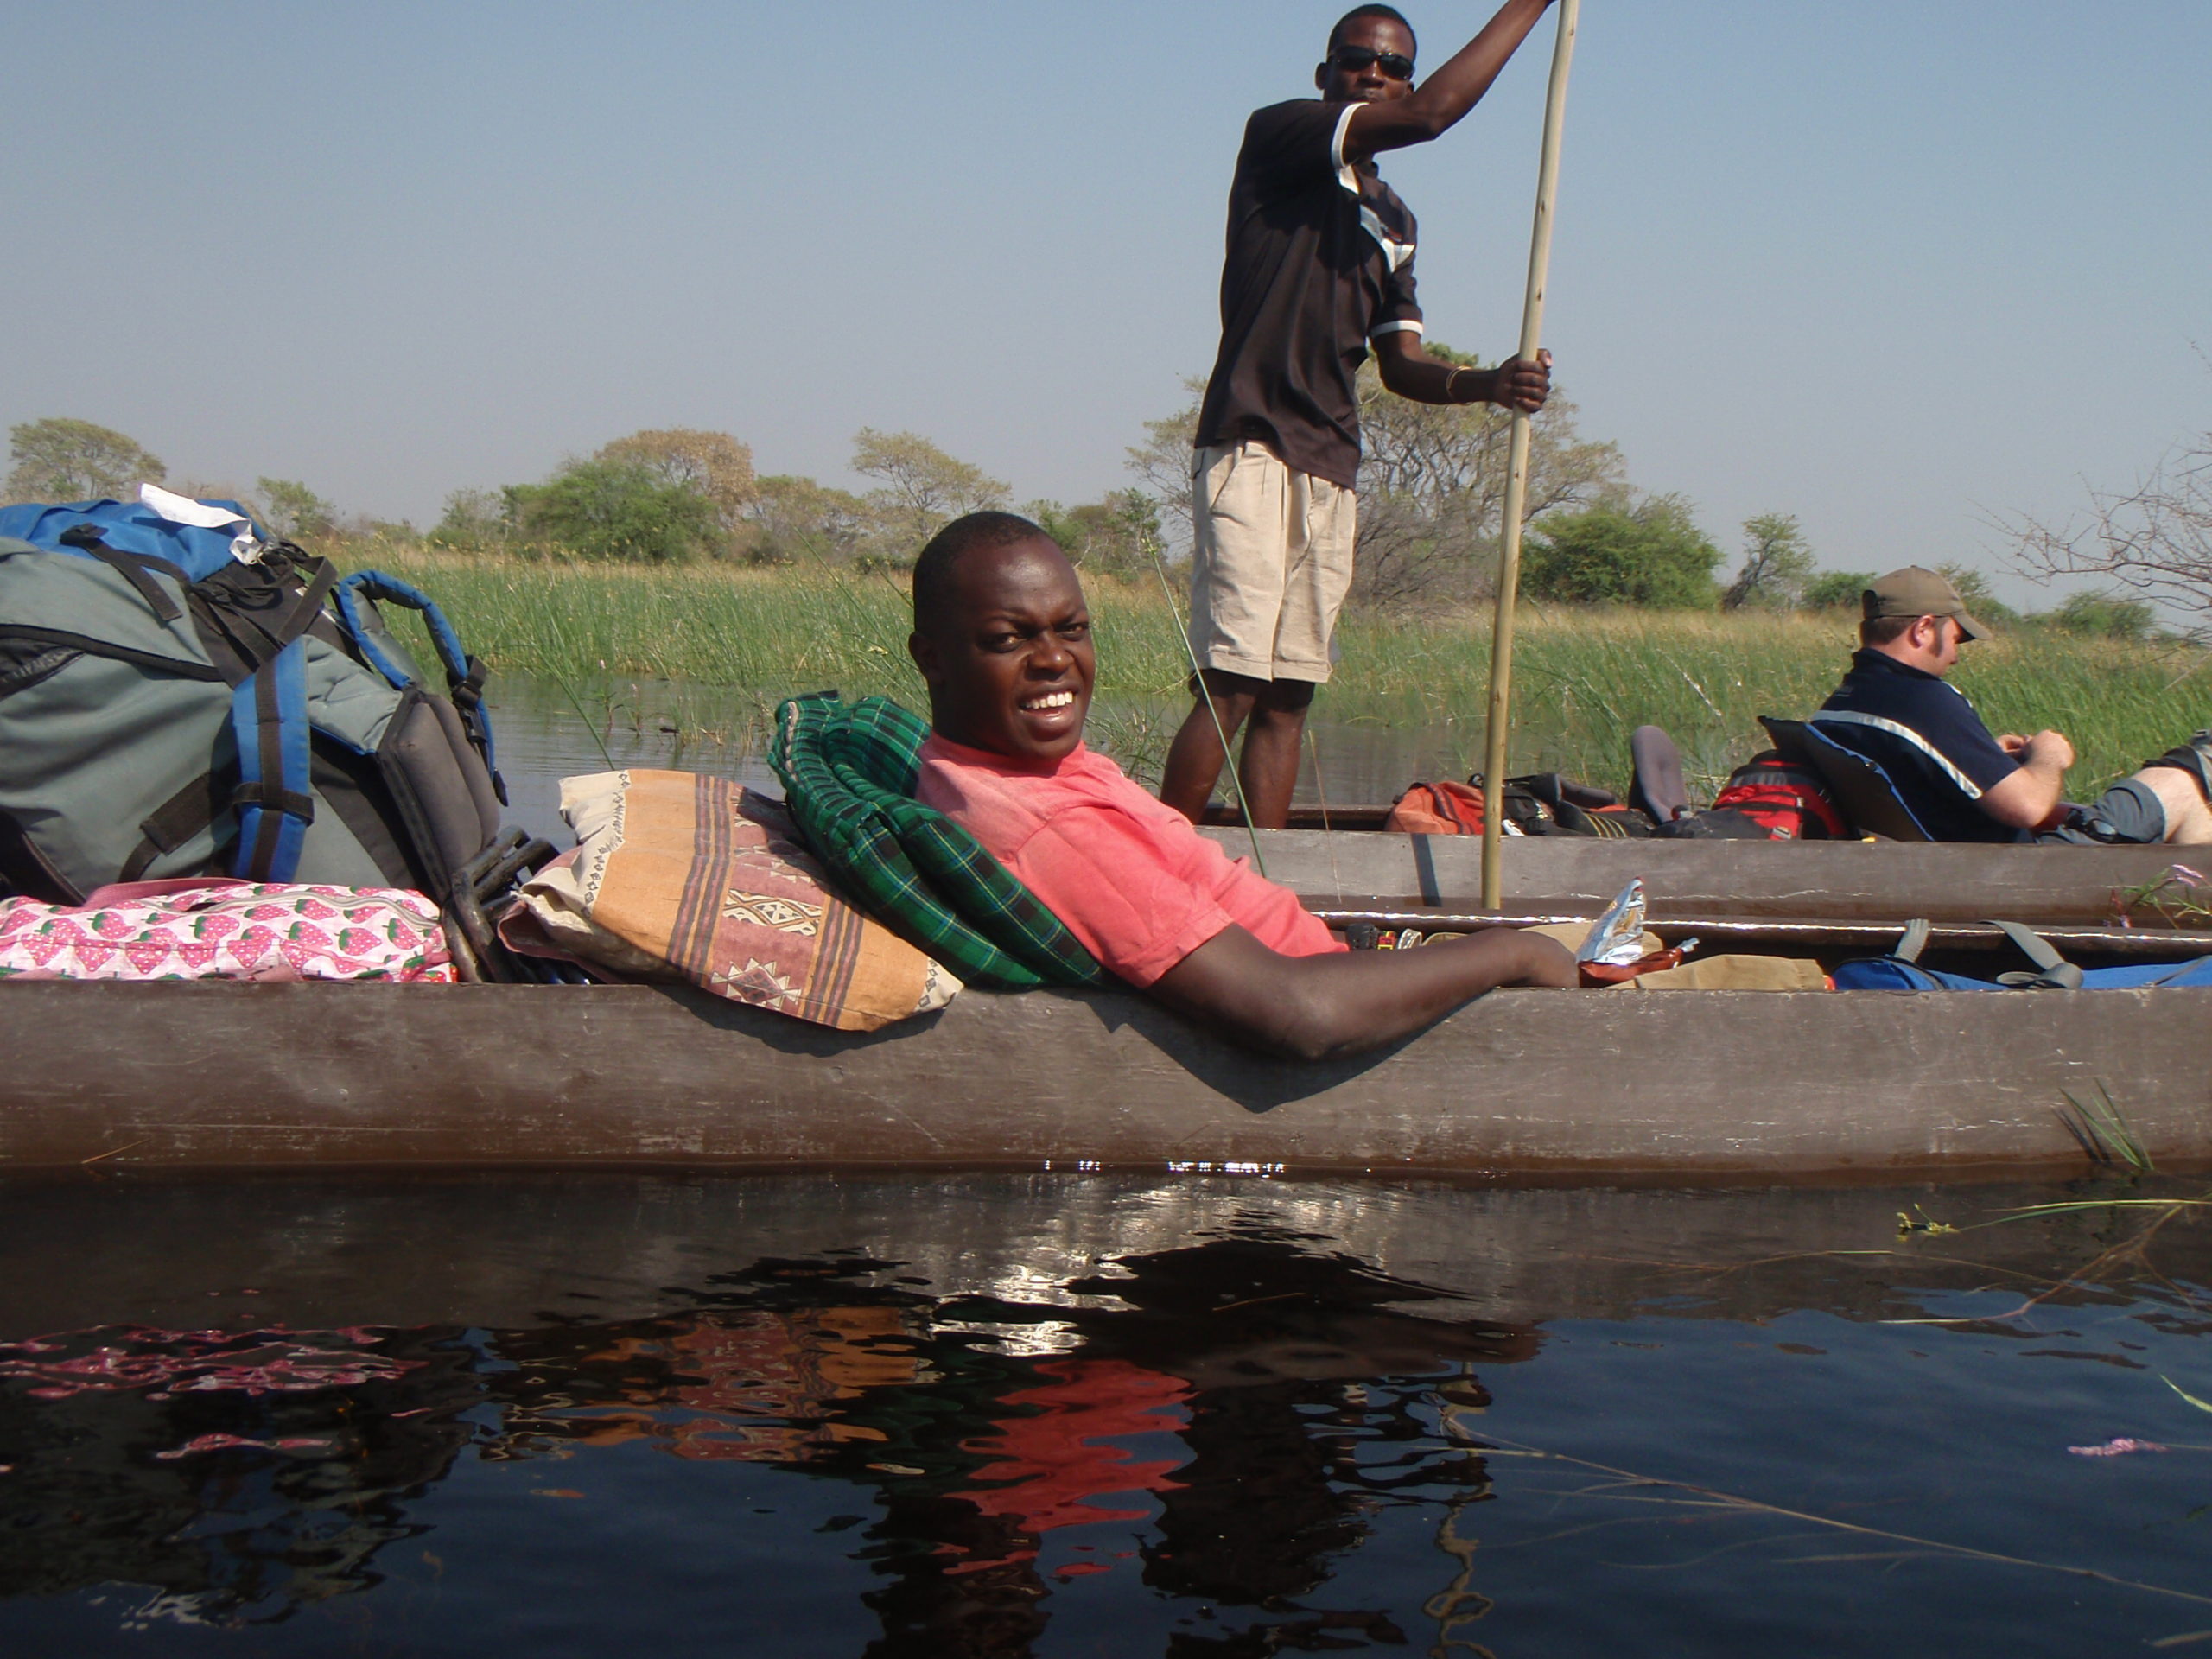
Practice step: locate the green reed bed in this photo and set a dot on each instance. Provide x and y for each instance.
(1582, 679)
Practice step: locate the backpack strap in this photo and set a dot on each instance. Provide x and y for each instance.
(131, 566)
(2054, 972)
(465, 674)
(235, 633)
(268, 716)
(1913, 942)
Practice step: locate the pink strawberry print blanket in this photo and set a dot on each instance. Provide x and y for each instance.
(216, 928)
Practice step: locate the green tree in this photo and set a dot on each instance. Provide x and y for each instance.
(1162, 463)
(1650, 554)
(1116, 536)
(1777, 565)
(922, 489)
(1431, 488)
(75, 461)
(294, 510)
(795, 520)
(475, 521)
(2105, 616)
(1836, 590)
(713, 465)
(614, 509)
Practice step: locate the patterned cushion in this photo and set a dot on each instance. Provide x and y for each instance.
(690, 879)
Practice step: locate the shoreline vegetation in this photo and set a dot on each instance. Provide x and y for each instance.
(740, 638)
(665, 558)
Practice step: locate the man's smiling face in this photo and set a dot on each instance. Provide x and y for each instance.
(1008, 657)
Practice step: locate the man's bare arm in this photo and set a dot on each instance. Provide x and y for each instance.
(1434, 107)
(1321, 1007)
(2029, 798)
(1412, 374)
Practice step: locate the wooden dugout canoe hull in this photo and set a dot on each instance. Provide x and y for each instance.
(1519, 1086)
(1837, 881)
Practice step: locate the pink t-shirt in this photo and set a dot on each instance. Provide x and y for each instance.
(1130, 877)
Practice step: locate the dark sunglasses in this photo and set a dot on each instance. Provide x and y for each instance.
(1359, 57)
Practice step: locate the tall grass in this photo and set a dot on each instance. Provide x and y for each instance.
(1582, 679)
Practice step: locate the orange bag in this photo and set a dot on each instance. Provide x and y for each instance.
(1445, 809)
(1596, 975)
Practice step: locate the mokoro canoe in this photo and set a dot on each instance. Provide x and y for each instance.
(1835, 880)
(1519, 1086)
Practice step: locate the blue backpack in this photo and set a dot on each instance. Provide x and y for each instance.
(186, 698)
(1903, 972)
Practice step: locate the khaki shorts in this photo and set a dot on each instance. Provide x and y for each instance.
(1270, 564)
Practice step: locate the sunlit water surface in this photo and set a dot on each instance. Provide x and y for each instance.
(1069, 1414)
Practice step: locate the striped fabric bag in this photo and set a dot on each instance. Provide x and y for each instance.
(687, 879)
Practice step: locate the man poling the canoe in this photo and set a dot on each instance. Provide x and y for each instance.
(1002, 638)
(1960, 781)
(1318, 271)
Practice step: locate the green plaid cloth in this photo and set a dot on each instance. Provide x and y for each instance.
(849, 772)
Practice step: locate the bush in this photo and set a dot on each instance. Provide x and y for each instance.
(293, 510)
(1652, 555)
(2105, 616)
(1117, 536)
(1837, 590)
(615, 509)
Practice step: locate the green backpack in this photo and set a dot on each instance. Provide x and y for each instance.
(176, 700)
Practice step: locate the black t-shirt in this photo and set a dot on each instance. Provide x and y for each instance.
(1320, 259)
(1926, 736)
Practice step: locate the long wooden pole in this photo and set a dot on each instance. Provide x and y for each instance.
(1516, 475)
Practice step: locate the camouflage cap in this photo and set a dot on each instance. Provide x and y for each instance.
(1913, 591)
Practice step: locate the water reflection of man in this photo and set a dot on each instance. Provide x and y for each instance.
(978, 1455)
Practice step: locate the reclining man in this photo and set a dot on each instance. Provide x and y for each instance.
(1962, 783)
(1002, 638)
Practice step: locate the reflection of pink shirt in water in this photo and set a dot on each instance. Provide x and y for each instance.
(1130, 877)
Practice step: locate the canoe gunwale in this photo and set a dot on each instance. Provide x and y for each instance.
(1844, 881)
(1872, 938)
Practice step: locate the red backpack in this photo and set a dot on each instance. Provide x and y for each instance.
(1785, 799)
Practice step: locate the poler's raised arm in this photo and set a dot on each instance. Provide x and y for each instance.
(1434, 107)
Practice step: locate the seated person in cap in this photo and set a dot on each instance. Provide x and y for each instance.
(1002, 638)
(1960, 781)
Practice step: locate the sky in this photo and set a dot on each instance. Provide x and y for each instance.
(1899, 267)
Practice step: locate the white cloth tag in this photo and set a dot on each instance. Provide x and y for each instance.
(183, 510)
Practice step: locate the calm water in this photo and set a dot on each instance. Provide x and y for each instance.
(1090, 1415)
(542, 737)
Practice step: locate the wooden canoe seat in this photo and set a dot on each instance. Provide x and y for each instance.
(1860, 789)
